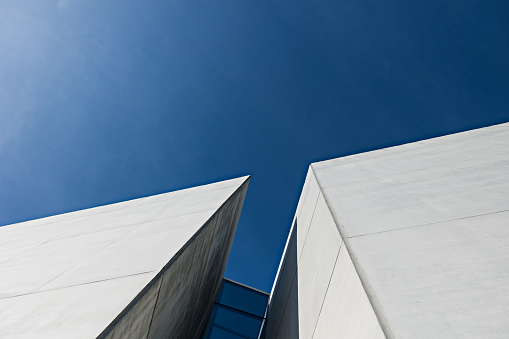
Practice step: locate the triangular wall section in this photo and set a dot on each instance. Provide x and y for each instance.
(146, 268)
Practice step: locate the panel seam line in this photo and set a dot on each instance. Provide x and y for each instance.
(373, 299)
(76, 285)
(427, 224)
(326, 291)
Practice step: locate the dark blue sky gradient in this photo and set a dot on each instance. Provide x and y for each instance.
(106, 100)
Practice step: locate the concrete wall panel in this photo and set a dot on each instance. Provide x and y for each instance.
(214, 263)
(289, 326)
(81, 311)
(315, 268)
(421, 183)
(189, 285)
(26, 272)
(445, 279)
(174, 301)
(145, 248)
(99, 272)
(346, 312)
(136, 323)
(426, 227)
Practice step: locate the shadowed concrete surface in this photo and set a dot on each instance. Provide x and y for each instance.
(145, 268)
(283, 312)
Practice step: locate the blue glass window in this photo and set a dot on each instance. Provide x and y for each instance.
(238, 322)
(243, 298)
(239, 313)
(219, 333)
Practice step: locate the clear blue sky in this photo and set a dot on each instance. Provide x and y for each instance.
(106, 100)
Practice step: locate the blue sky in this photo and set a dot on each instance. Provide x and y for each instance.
(105, 101)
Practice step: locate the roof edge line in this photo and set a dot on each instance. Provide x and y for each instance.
(370, 293)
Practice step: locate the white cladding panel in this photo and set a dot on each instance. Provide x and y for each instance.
(346, 312)
(71, 275)
(318, 258)
(428, 224)
(317, 289)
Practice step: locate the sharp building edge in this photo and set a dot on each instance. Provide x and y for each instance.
(404, 242)
(410, 241)
(317, 292)
(145, 268)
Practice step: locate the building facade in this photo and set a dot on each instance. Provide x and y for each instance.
(404, 242)
(410, 241)
(145, 268)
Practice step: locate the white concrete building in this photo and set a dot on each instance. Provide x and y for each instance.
(145, 268)
(405, 242)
